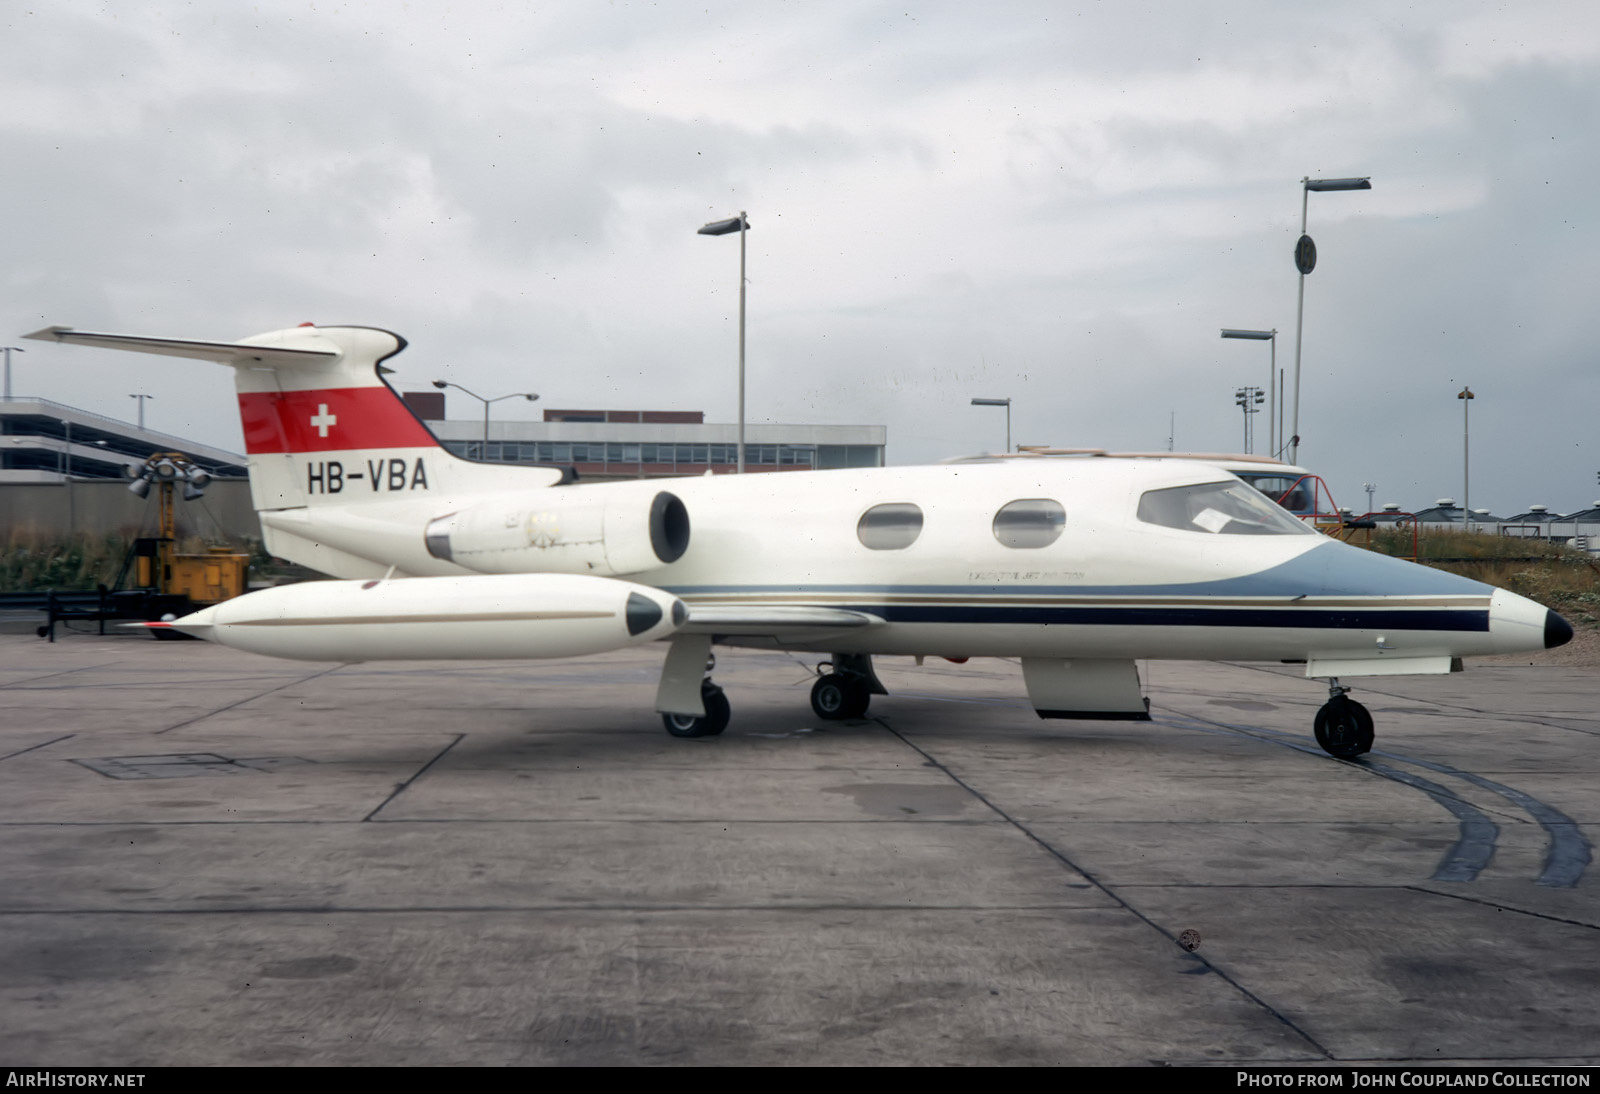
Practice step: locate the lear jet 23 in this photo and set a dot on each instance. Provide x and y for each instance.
(1078, 568)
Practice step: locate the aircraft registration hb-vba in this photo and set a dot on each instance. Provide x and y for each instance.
(1078, 568)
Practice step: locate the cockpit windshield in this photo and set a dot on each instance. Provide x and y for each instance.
(1221, 508)
(1293, 492)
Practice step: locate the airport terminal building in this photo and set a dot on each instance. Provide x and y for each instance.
(635, 444)
(63, 469)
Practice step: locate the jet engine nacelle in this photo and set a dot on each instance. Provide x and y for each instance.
(605, 530)
(427, 618)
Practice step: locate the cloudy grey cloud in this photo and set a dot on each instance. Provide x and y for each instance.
(1060, 204)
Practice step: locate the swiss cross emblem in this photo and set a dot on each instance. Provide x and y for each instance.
(322, 420)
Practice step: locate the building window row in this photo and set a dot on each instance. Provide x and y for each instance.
(669, 455)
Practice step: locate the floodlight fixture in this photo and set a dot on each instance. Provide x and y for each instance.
(1006, 402)
(740, 224)
(1466, 396)
(1273, 410)
(724, 227)
(1324, 185)
(1305, 261)
(528, 395)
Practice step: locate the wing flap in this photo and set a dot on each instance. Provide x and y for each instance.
(773, 619)
(1397, 665)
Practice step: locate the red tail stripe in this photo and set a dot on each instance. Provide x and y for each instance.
(328, 420)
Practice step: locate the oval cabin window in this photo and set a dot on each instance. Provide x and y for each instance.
(1030, 522)
(890, 527)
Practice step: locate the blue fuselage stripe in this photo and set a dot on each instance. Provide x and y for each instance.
(1396, 619)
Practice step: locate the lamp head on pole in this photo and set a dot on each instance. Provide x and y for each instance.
(1253, 335)
(724, 227)
(1322, 185)
(1465, 393)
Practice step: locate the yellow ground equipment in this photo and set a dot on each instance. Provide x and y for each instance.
(207, 578)
(219, 574)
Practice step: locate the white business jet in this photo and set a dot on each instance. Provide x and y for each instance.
(1076, 567)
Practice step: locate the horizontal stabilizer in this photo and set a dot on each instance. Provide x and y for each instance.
(227, 353)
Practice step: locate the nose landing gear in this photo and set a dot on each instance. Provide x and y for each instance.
(1343, 726)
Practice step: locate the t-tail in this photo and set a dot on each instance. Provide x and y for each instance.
(332, 447)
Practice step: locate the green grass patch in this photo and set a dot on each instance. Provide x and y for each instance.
(30, 563)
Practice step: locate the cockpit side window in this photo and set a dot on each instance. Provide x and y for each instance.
(1220, 508)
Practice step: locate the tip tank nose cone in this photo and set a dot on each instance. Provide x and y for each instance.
(1557, 631)
(642, 614)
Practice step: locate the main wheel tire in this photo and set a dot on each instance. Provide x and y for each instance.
(718, 710)
(1344, 728)
(684, 725)
(713, 722)
(835, 697)
(828, 697)
(857, 698)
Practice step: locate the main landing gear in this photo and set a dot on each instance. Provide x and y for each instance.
(1343, 726)
(715, 719)
(839, 693)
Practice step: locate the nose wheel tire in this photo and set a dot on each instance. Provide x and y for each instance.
(1344, 728)
(835, 697)
(714, 721)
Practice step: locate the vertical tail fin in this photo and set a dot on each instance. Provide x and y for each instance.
(321, 425)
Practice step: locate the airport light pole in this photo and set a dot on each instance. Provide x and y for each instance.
(1272, 371)
(741, 225)
(141, 399)
(1006, 402)
(528, 395)
(8, 351)
(1466, 397)
(1305, 260)
(1249, 398)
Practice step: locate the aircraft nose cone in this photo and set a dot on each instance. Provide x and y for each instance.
(1557, 631)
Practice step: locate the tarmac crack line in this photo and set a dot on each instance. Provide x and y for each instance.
(247, 699)
(423, 770)
(1499, 907)
(547, 909)
(53, 675)
(1103, 887)
(43, 744)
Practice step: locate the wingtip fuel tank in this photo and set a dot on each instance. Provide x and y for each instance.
(441, 618)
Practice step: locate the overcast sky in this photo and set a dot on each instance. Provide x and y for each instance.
(1061, 203)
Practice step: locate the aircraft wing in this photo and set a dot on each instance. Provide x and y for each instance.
(228, 353)
(787, 619)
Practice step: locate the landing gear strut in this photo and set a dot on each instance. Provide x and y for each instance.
(1343, 726)
(839, 695)
(715, 719)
